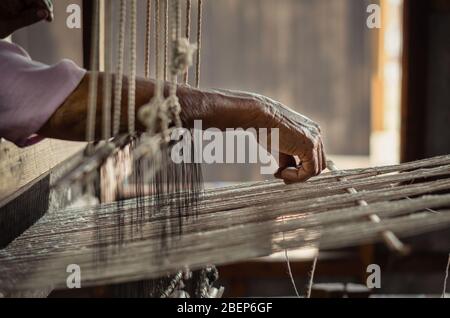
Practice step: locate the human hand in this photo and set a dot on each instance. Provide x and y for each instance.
(301, 151)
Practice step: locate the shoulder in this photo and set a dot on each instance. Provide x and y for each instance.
(11, 49)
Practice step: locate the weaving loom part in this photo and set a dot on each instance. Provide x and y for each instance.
(145, 159)
(143, 225)
(251, 228)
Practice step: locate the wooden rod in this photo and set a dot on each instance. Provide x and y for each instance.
(391, 240)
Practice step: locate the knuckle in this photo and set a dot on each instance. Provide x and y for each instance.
(318, 128)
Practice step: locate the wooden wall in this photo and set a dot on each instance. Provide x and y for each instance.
(313, 56)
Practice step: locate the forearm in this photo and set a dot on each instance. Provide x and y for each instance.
(299, 137)
(214, 109)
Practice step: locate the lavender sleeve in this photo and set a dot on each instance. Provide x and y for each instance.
(30, 92)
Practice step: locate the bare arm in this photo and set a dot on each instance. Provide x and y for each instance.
(299, 136)
(69, 121)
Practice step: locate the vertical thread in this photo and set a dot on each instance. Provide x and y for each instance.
(132, 77)
(187, 33)
(92, 104)
(107, 77)
(199, 42)
(148, 36)
(119, 68)
(159, 64)
(446, 277)
(288, 263)
(311, 276)
(166, 39)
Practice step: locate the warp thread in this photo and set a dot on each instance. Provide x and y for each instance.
(119, 68)
(148, 29)
(311, 276)
(446, 277)
(132, 77)
(288, 263)
(94, 63)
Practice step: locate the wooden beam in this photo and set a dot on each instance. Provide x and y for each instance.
(414, 87)
(21, 168)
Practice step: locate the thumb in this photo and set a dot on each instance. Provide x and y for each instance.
(27, 18)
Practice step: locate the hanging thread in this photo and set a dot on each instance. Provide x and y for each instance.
(119, 69)
(311, 276)
(291, 276)
(166, 39)
(132, 77)
(148, 33)
(446, 277)
(107, 76)
(93, 84)
(158, 31)
(199, 42)
(187, 33)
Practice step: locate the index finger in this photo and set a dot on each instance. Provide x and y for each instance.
(309, 167)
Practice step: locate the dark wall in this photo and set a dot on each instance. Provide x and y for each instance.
(438, 101)
(426, 82)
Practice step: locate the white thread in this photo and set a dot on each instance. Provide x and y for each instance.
(291, 276)
(119, 70)
(152, 111)
(183, 56)
(446, 277)
(187, 33)
(132, 77)
(107, 77)
(199, 42)
(179, 63)
(166, 38)
(148, 38)
(288, 263)
(92, 106)
(311, 276)
(158, 67)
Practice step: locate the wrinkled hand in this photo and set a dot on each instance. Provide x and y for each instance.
(301, 148)
(16, 14)
(302, 153)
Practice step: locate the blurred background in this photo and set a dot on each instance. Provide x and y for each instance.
(318, 57)
(381, 96)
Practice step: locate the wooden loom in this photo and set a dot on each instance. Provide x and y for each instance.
(114, 243)
(233, 224)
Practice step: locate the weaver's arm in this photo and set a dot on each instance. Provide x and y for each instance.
(299, 136)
